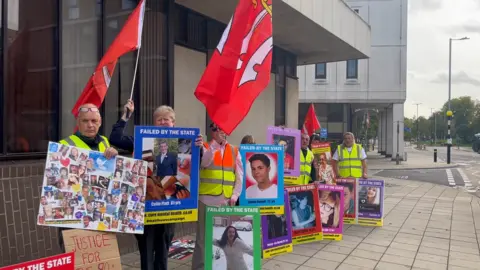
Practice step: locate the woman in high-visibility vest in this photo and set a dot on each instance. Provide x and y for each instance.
(350, 159)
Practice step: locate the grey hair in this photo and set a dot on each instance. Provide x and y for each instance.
(162, 110)
(349, 133)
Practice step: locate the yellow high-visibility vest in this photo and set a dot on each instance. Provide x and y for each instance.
(350, 163)
(219, 177)
(74, 140)
(305, 168)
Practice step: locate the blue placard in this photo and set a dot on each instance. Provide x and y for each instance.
(323, 133)
(174, 160)
(263, 165)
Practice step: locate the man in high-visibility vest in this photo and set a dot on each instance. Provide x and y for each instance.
(87, 137)
(350, 159)
(221, 176)
(307, 170)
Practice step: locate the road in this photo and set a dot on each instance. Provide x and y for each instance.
(466, 176)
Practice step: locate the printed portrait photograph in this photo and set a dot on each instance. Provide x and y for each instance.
(349, 198)
(369, 199)
(303, 211)
(325, 173)
(329, 202)
(170, 162)
(232, 242)
(277, 226)
(261, 175)
(288, 142)
(100, 162)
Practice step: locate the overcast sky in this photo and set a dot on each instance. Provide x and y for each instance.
(430, 24)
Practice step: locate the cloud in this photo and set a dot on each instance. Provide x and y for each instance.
(425, 5)
(460, 77)
(470, 26)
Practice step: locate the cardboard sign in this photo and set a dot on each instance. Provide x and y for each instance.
(174, 160)
(263, 178)
(370, 202)
(60, 262)
(350, 208)
(331, 201)
(290, 139)
(93, 249)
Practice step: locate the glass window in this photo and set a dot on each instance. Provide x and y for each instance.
(335, 112)
(321, 71)
(80, 56)
(31, 78)
(352, 69)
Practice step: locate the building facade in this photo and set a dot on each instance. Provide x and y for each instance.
(49, 49)
(343, 91)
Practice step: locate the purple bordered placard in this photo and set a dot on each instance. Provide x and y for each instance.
(332, 188)
(292, 154)
(374, 208)
(279, 241)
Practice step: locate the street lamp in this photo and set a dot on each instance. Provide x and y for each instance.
(449, 112)
(418, 140)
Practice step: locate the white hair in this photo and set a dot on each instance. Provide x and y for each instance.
(163, 110)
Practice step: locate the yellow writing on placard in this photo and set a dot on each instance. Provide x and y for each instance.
(375, 222)
(271, 252)
(332, 236)
(292, 181)
(307, 238)
(173, 216)
(272, 210)
(349, 220)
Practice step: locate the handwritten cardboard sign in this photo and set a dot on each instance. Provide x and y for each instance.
(93, 249)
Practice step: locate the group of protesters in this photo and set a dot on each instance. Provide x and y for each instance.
(349, 160)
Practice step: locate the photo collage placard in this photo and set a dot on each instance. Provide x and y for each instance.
(84, 190)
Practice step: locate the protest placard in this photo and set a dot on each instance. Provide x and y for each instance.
(331, 201)
(173, 160)
(59, 262)
(84, 190)
(93, 250)
(370, 202)
(277, 232)
(322, 157)
(263, 177)
(231, 236)
(350, 203)
(290, 139)
(306, 223)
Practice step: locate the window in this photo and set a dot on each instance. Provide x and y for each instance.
(321, 71)
(280, 88)
(30, 80)
(356, 10)
(352, 69)
(80, 55)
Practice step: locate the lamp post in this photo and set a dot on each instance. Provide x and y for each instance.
(418, 117)
(449, 112)
(434, 125)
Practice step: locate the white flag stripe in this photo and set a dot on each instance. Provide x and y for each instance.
(140, 24)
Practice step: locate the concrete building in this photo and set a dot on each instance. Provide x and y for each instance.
(341, 91)
(51, 47)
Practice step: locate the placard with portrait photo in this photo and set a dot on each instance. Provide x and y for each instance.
(173, 160)
(277, 232)
(84, 190)
(290, 139)
(331, 202)
(231, 238)
(322, 162)
(263, 177)
(350, 208)
(305, 212)
(370, 202)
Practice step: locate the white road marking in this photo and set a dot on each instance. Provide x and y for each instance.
(465, 178)
(450, 179)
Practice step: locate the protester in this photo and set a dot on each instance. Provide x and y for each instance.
(308, 172)
(350, 159)
(248, 139)
(221, 176)
(155, 241)
(88, 122)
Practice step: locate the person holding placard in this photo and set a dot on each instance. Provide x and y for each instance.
(156, 240)
(308, 172)
(350, 159)
(221, 177)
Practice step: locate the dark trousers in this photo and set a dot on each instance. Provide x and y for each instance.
(154, 244)
(60, 238)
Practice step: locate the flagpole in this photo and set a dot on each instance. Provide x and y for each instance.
(135, 73)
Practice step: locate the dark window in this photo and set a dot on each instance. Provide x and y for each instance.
(321, 71)
(190, 28)
(356, 10)
(280, 87)
(334, 112)
(291, 65)
(352, 69)
(29, 76)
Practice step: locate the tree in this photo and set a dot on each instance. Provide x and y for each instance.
(464, 110)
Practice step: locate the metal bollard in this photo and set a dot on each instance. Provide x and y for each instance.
(434, 155)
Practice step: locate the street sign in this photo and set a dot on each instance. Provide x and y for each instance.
(449, 141)
(323, 133)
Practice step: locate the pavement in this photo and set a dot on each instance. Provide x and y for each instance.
(426, 226)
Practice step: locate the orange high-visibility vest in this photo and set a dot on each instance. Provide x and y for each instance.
(219, 177)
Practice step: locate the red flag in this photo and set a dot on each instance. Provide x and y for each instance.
(311, 123)
(239, 69)
(129, 39)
